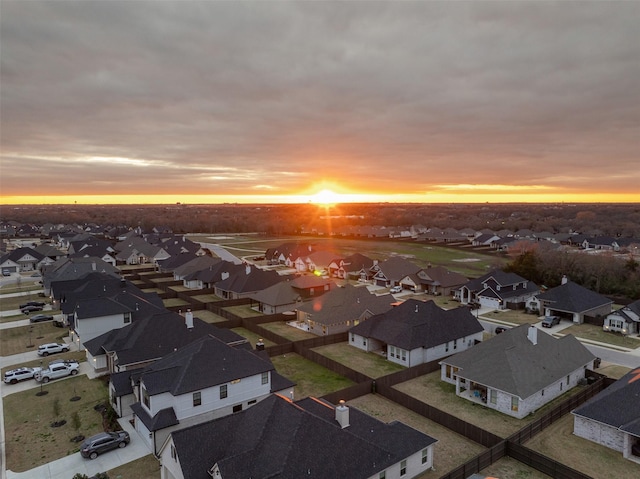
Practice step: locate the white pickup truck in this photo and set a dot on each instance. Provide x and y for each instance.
(57, 369)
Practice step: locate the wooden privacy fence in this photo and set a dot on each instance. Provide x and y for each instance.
(542, 463)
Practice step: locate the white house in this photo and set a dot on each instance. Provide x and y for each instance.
(518, 371)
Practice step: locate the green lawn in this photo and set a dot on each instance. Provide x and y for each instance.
(252, 337)
(596, 333)
(243, 311)
(288, 332)
(27, 338)
(310, 378)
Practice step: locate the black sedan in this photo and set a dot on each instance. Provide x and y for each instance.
(32, 303)
(38, 318)
(30, 309)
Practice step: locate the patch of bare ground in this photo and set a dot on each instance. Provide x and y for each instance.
(509, 468)
(558, 442)
(431, 390)
(451, 450)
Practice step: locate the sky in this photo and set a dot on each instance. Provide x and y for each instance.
(296, 101)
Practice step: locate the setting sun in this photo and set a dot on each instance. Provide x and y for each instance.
(326, 197)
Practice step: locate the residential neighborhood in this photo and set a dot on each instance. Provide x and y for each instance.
(192, 347)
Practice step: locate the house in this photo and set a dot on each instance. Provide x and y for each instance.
(572, 301)
(625, 320)
(150, 338)
(204, 380)
(612, 417)
(287, 252)
(212, 274)
(498, 290)
(56, 275)
(485, 239)
(318, 261)
(417, 332)
(198, 263)
(339, 309)
(286, 296)
(436, 280)
(246, 282)
(518, 371)
(357, 266)
(278, 438)
(390, 272)
(23, 260)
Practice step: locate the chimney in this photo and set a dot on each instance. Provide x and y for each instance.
(532, 335)
(248, 269)
(260, 345)
(342, 414)
(188, 319)
(564, 279)
(93, 266)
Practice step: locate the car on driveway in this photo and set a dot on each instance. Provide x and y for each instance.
(50, 348)
(396, 289)
(32, 303)
(103, 442)
(30, 309)
(549, 321)
(19, 374)
(38, 318)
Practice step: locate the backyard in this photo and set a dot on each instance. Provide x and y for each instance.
(287, 332)
(370, 364)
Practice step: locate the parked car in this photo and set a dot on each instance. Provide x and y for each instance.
(32, 303)
(396, 289)
(19, 374)
(60, 368)
(103, 442)
(50, 348)
(38, 318)
(500, 329)
(549, 321)
(30, 309)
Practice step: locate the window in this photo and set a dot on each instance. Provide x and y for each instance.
(252, 402)
(127, 318)
(568, 378)
(404, 355)
(425, 456)
(146, 400)
(455, 344)
(364, 342)
(543, 392)
(446, 347)
(237, 408)
(514, 403)
(197, 399)
(265, 378)
(616, 323)
(223, 391)
(174, 454)
(493, 396)
(403, 468)
(382, 475)
(353, 337)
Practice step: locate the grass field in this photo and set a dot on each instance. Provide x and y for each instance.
(147, 467)
(243, 311)
(596, 333)
(288, 332)
(310, 378)
(30, 438)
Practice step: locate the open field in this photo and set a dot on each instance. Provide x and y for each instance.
(288, 332)
(371, 364)
(431, 390)
(450, 451)
(27, 338)
(30, 438)
(467, 262)
(558, 442)
(310, 378)
(252, 337)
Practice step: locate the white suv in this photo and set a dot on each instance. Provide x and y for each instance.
(50, 348)
(19, 374)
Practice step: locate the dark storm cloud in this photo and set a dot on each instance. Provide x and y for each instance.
(221, 97)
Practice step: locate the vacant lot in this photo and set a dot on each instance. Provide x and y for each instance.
(27, 338)
(558, 442)
(373, 365)
(431, 390)
(287, 332)
(451, 450)
(30, 438)
(310, 378)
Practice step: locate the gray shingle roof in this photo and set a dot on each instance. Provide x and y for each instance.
(415, 324)
(618, 405)
(510, 362)
(278, 439)
(573, 297)
(202, 364)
